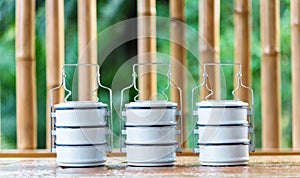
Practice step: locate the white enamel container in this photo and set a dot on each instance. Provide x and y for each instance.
(223, 132)
(217, 112)
(81, 133)
(151, 155)
(79, 113)
(224, 155)
(81, 156)
(145, 113)
(71, 136)
(151, 134)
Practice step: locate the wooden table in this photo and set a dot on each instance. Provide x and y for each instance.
(186, 166)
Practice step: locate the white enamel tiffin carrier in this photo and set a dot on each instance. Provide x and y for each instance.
(80, 130)
(225, 128)
(151, 128)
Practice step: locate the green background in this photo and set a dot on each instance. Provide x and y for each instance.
(110, 12)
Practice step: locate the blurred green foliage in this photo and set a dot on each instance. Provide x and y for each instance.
(110, 12)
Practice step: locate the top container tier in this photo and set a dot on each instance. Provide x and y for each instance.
(148, 113)
(81, 114)
(222, 112)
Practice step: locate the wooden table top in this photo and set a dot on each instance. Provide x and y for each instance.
(185, 166)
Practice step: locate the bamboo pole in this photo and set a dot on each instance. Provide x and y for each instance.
(87, 48)
(25, 75)
(147, 48)
(178, 57)
(295, 38)
(209, 31)
(270, 72)
(243, 45)
(54, 53)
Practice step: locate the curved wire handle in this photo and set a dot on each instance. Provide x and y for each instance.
(134, 77)
(239, 75)
(205, 76)
(239, 85)
(69, 93)
(63, 83)
(239, 81)
(134, 74)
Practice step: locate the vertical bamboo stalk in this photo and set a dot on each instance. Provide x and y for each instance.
(54, 53)
(25, 75)
(87, 47)
(178, 56)
(295, 38)
(147, 48)
(209, 39)
(270, 72)
(243, 44)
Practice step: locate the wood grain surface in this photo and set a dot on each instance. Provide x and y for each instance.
(262, 166)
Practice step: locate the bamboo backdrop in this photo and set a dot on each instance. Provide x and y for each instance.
(54, 54)
(87, 48)
(147, 48)
(270, 74)
(26, 75)
(209, 39)
(243, 44)
(295, 39)
(178, 56)
(209, 28)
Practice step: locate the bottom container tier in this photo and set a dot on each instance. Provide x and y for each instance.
(154, 155)
(81, 156)
(222, 155)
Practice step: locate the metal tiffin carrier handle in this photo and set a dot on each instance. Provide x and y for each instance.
(134, 85)
(250, 109)
(108, 113)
